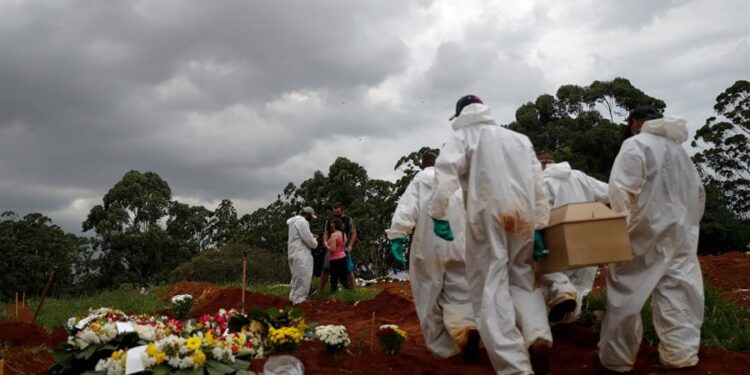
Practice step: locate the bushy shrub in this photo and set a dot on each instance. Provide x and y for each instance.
(224, 265)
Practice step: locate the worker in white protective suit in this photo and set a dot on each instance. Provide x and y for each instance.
(299, 245)
(564, 291)
(501, 179)
(655, 183)
(437, 270)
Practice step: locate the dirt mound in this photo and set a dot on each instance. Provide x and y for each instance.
(23, 334)
(730, 272)
(28, 361)
(199, 290)
(28, 353)
(232, 298)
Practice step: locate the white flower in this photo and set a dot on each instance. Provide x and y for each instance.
(217, 353)
(333, 335)
(71, 323)
(147, 360)
(174, 362)
(146, 332)
(186, 362)
(180, 298)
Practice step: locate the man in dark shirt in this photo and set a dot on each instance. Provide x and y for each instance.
(351, 237)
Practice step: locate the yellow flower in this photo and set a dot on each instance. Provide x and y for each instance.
(116, 355)
(240, 340)
(94, 326)
(160, 357)
(209, 338)
(151, 350)
(199, 358)
(193, 343)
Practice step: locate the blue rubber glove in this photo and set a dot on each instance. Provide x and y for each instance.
(540, 248)
(442, 229)
(398, 247)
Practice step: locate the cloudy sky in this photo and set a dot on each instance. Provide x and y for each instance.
(233, 99)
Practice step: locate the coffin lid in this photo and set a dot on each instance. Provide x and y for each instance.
(577, 212)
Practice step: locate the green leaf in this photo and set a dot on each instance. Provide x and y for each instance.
(162, 370)
(241, 364)
(215, 367)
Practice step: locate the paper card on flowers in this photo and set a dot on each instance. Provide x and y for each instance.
(124, 327)
(134, 362)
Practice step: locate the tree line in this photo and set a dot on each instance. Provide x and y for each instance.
(139, 235)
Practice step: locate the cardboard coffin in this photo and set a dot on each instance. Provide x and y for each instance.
(584, 234)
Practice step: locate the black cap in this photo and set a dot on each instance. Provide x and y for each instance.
(463, 102)
(643, 113)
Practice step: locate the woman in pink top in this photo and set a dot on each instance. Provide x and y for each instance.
(337, 255)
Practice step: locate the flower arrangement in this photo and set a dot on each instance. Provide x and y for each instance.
(182, 305)
(334, 337)
(284, 339)
(391, 338)
(167, 345)
(114, 365)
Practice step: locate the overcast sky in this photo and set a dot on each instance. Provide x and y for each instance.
(233, 99)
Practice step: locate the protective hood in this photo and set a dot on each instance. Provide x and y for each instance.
(473, 114)
(557, 170)
(293, 219)
(672, 128)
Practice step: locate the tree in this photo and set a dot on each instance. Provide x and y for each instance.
(409, 165)
(224, 226)
(188, 226)
(724, 159)
(134, 246)
(571, 128)
(31, 247)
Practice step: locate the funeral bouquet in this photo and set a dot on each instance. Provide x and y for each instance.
(108, 341)
(391, 338)
(182, 305)
(334, 337)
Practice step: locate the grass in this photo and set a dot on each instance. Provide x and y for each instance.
(726, 325)
(344, 295)
(56, 312)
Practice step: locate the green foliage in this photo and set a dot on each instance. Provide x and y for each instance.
(721, 230)
(725, 324)
(571, 128)
(31, 248)
(224, 265)
(724, 159)
(56, 311)
(369, 202)
(141, 234)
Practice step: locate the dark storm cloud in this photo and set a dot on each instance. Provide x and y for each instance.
(90, 89)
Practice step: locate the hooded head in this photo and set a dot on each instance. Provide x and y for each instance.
(672, 128)
(637, 117)
(463, 102)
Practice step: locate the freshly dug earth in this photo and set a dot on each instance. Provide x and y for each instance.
(729, 272)
(573, 350)
(29, 347)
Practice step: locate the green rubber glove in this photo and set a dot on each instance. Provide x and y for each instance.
(442, 229)
(398, 246)
(540, 248)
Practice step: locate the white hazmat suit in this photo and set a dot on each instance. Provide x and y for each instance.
(565, 185)
(655, 183)
(436, 267)
(300, 241)
(504, 196)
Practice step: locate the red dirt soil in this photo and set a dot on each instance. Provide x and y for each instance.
(729, 272)
(573, 351)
